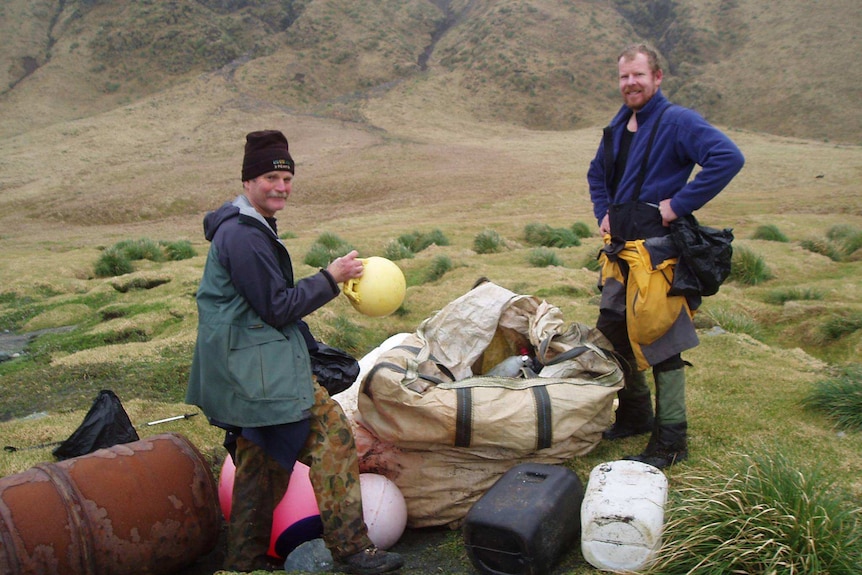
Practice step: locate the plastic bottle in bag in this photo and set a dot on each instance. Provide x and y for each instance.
(511, 366)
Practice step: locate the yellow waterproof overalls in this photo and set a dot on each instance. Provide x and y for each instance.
(659, 325)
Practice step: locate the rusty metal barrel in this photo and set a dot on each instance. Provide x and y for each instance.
(147, 507)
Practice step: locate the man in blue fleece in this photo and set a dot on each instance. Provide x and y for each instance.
(640, 181)
(251, 373)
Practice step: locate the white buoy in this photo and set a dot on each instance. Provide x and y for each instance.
(622, 516)
(384, 509)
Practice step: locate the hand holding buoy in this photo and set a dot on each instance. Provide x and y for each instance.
(346, 267)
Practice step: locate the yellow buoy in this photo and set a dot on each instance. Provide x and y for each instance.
(380, 290)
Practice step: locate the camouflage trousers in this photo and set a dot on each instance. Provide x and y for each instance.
(260, 483)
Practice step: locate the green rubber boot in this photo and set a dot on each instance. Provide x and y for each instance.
(668, 443)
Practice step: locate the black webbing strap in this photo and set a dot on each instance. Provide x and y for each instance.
(544, 418)
(642, 174)
(608, 160)
(464, 417)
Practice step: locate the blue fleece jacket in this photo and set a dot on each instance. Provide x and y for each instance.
(684, 139)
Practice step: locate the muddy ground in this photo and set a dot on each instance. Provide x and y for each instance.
(428, 551)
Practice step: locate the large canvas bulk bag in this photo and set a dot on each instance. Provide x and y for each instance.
(523, 415)
(428, 416)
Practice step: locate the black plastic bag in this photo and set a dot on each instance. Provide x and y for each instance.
(105, 425)
(336, 370)
(704, 257)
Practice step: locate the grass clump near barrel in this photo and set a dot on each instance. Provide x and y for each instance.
(767, 515)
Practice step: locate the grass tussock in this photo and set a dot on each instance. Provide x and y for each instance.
(840, 398)
(769, 233)
(178, 250)
(409, 244)
(769, 516)
(113, 263)
(488, 242)
(824, 248)
(736, 321)
(117, 259)
(783, 295)
(544, 235)
(345, 334)
(326, 247)
(395, 250)
(142, 249)
(842, 242)
(418, 241)
(591, 262)
(543, 257)
(748, 268)
(848, 238)
(438, 268)
(582, 230)
(840, 325)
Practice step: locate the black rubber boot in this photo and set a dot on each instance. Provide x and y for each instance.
(634, 415)
(667, 445)
(370, 561)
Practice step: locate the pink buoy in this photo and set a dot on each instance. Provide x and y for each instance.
(296, 518)
(384, 509)
(225, 487)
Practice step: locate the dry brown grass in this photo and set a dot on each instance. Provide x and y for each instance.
(539, 63)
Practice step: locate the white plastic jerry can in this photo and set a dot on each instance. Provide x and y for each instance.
(622, 515)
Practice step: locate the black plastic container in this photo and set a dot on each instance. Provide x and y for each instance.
(525, 521)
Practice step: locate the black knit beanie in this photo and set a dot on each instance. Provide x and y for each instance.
(265, 151)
